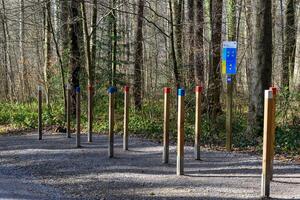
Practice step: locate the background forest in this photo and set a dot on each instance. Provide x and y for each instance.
(148, 45)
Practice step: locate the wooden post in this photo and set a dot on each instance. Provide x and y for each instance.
(274, 92)
(78, 117)
(229, 113)
(166, 142)
(126, 115)
(180, 133)
(90, 113)
(68, 111)
(198, 91)
(111, 92)
(40, 123)
(265, 186)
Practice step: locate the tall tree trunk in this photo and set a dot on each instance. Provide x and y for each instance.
(261, 69)
(75, 51)
(296, 81)
(7, 56)
(290, 41)
(191, 39)
(178, 14)
(199, 49)
(47, 48)
(138, 57)
(214, 70)
(64, 33)
(172, 45)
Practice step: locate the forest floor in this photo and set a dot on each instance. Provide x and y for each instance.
(54, 169)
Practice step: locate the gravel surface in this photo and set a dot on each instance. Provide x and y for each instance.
(54, 169)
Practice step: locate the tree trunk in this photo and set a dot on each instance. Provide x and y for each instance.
(191, 39)
(290, 41)
(178, 14)
(172, 44)
(199, 49)
(261, 69)
(7, 56)
(214, 70)
(47, 48)
(138, 57)
(296, 81)
(75, 51)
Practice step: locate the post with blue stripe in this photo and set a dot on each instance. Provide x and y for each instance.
(180, 132)
(78, 117)
(111, 115)
(40, 123)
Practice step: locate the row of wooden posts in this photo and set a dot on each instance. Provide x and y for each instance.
(268, 138)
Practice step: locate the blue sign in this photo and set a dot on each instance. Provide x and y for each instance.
(229, 55)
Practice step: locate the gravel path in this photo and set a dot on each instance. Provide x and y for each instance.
(54, 169)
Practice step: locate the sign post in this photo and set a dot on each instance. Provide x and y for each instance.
(274, 91)
(78, 117)
(111, 116)
(166, 141)
(68, 111)
(267, 143)
(40, 123)
(229, 55)
(90, 112)
(198, 91)
(180, 133)
(126, 116)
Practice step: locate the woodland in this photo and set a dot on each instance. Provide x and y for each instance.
(149, 45)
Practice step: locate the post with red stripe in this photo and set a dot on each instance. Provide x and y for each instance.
(40, 123)
(126, 116)
(267, 143)
(111, 115)
(274, 92)
(198, 91)
(166, 141)
(68, 111)
(78, 117)
(180, 132)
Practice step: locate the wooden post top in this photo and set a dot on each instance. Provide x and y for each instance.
(181, 92)
(199, 89)
(126, 88)
(274, 90)
(39, 88)
(90, 87)
(112, 90)
(68, 86)
(167, 90)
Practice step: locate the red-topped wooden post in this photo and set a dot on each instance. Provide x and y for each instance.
(274, 92)
(198, 91)
(180, 132)
(166, 139)
(126, 116)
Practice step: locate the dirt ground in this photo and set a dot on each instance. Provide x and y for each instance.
(54, 169)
